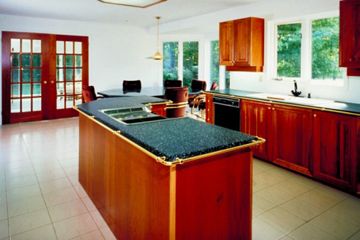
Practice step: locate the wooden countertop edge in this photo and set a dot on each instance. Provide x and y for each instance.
(162, 159)
(286, 103)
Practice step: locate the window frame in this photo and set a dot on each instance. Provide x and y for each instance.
(306, 52)
(275, 74)
(339, 82)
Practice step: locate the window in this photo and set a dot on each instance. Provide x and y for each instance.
(170, 62)
(289, 50)
(325, 49)
(214, 62)
(190, 62)
(309, 49)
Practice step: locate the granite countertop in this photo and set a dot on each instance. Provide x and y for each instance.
(323, 104)
(170, 138)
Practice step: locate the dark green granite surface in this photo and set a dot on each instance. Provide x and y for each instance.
(323, 104)
(169, 138)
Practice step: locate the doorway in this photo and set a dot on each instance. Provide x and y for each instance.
(42, 75)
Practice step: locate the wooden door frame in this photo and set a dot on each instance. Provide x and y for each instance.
(48, 71)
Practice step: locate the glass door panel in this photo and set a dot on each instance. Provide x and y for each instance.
(68, 74)
(25, 78)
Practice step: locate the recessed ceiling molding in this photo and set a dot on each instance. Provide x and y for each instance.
(134, 3)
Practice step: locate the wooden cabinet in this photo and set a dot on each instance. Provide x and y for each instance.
(350, 36)
(292, 137)
(209, 114)
(226, 43)
(256, 120)
(320, 144)
(336, 142)
(241, 44)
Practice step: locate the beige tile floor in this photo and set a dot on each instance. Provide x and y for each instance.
(41, 198)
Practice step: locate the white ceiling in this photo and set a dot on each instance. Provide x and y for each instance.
(93, 10)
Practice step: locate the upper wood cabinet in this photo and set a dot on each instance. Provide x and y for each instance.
(350, 36)
(241, 44)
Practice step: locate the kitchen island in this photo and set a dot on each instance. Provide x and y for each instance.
(165, 179)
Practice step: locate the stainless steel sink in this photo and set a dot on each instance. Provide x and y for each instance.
(132, 115)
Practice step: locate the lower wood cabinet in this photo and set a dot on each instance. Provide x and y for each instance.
(256, 120)
(291, 137)
(336, 144)
(320, 144)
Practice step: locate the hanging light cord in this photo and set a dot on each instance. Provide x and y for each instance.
(158, 38)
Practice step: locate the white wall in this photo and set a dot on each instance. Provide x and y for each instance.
(116, 51)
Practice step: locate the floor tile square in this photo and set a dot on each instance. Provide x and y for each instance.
(67, 210)
(75, 226)
(30, 221)
(41, 233)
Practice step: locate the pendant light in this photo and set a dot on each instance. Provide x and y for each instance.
(157, 55)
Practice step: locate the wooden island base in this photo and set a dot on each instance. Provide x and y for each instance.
(141, 198)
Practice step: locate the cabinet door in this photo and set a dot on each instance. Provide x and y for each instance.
(335, 146)
(256, 120)
(350, 34)
(242, 42)
(209, 108)
(226, 43)
(291, 134)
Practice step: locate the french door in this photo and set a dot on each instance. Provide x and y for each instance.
(43, 75)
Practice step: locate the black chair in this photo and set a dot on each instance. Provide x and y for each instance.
(179, 97)
(172, 83)
(198, 85)
(131, 85)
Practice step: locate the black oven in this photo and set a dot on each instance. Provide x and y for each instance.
(227, 112)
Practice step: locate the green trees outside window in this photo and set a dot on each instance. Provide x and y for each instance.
(325, 49)
(170, 62)
(214, 61)
(190, 62)
(289, 50)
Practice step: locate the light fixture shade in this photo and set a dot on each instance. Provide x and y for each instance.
(134, 3)
(157, 56)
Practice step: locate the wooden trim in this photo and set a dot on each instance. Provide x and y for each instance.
(172, 204)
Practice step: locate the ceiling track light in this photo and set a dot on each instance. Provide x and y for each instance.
(134, 3)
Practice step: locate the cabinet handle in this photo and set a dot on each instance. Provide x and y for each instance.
(45, 82)
(273, 109)
(52, 82)
(269, 108)
(350, 59)
(314, 115)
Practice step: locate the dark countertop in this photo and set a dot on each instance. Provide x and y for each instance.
(322, 104)
(170, 138)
